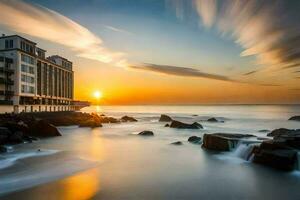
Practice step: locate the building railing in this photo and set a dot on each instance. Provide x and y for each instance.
(6, 102)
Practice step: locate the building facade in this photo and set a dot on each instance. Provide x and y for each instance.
(30, 81)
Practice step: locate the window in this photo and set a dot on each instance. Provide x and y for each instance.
(27, 59)
(27, 89)
(9, 44)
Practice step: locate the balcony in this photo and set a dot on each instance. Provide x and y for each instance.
(6, 81)
(6, 93)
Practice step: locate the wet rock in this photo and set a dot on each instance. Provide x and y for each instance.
(4, 135)
(3, 149)
(295, 118)
(128, 119)
(181, 125)
(41, 128)
(195, 139)
(146, 133)
(16, 138)
(281, 159)
(284, 132)
(222, 141)
(165, 118)
(212, 120)
(194, 115)
(167, 125)
(90, 123)
(177, 143)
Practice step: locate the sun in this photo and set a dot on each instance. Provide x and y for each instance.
(98, 94)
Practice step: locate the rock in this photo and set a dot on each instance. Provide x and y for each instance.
(284, 132)
(280, 159)
(181, 125)
(90, 123)
(41, 128)
(146, 133)
(165, 118)
(102, 115)
(195, 139)
(212, 120)
(3, 149)
(29, 139)
(16, 138)
(177, 143)
(167, 125)
(17, 126)
(295, 118)
(194, 115)
(222, 141)
(128, 119)
(4, 135)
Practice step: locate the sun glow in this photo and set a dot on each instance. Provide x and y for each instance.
(98, 94)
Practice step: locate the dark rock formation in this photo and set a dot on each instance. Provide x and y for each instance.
(181, 125)
(165, 118)
(146, 133)
(167, 125)
(4, 135)
(195, 139)
(222, 141)
(284, 132)
(177, 143)
(212, 120)
(281, 151)
(41, 128)
(295, 118)
(128, 119)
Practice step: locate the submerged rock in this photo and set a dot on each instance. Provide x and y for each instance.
(295, 118)
(195, 139)
(128, 119)
(264, 131)
(167, 125)
(222, 141)
(90, 123)
(165, 118)
(3, 149)
(181, 125)
(212, 120)
(146, 133)
(177, 143)
(4, 135)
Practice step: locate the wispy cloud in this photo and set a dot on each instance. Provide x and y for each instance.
(250, 73)
(41, 22)
(266, 29)
(178, 71)
(119, 30)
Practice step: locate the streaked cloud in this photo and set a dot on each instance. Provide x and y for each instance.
(118, 30)
(250, 73)
(43, 23)
(268, 29)
(178, 71)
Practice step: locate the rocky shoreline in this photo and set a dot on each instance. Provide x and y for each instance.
(279, 149)
(27, 127)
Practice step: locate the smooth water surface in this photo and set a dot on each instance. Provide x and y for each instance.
(113, 162)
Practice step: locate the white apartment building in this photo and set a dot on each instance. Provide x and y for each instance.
(32, 82)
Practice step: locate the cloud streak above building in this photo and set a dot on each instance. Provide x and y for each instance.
(178, 71)
(47, 24)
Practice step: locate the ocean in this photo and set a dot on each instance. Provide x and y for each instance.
(113, 162)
